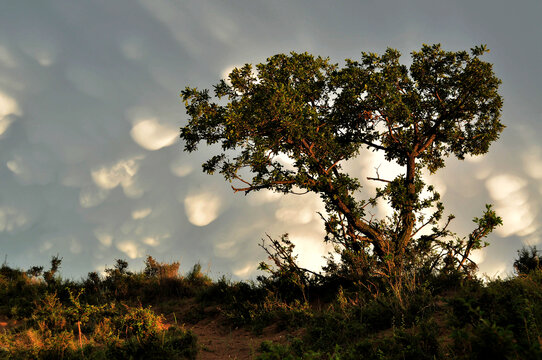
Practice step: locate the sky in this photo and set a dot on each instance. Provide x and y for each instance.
(92, 167)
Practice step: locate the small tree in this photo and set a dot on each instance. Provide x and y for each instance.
(49, 275)
(160, 271)
(320, 116)
(528, 260)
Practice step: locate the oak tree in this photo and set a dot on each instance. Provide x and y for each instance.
(320, 115)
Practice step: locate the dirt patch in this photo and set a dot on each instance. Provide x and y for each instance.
(220, 342)
(218, 339)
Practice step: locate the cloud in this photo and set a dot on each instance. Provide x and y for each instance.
(151, 241)
(295, 214)
(8, 106)
(285, 161)
(5, 122)
(132, 49)
(181, 168)
(75, 246)
(43, 50)
(103, 237)
(31, 166)
(130, 249)
(501, 187)
(89, 81)
(92, 196)
(474, 158)
(121, 172)
(12, 219)
(512, 204)
(6, 58)
(310, 249)
(227, 249)
(15, 166)
(263, 197)
(202, 208)
(141, 213)
(245, 270)
(152, 135)
(532, 162)
(177, 18)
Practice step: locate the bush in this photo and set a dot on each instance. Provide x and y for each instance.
(155, 269)
(528, 260)
(502, 317)
(140, 322)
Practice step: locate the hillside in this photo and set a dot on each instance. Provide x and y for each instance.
(158, 314)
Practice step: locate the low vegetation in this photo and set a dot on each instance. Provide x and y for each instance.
(124, 314)
(47, 317)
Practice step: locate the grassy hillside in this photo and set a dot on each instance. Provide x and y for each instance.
(159, 314)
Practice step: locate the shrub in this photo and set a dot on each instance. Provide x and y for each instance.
(196, 278)
(528, 260)
(49, 275)
(140, 322)
(155, 269)
(175, 343)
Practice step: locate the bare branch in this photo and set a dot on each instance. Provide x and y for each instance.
(378, 179)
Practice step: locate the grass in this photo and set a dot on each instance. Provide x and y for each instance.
(140, 315)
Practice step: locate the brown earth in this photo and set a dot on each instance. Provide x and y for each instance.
(217, 339)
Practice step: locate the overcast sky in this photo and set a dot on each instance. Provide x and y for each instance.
(92, 167)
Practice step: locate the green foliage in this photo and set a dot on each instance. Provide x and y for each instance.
(49, 275)
(196, 278)
(293, 351)
(241, 302)
(486, 340)
(528, 260)
(175, 343)
(319, 116)
(503, 318)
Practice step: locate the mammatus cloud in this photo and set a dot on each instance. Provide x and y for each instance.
(12, 219)
(532, 163)
(181, 167)
(263, 197)
(120, 173)
(91, 196)
(303, 215)
(105, 238)
(133, 49)
(130, 249)
(6, 58)
(8, 106)
(310, 249)
(151, 241)
(512, 204)
(152, 135)
(141, 213)
(202, 208)
(246, 270)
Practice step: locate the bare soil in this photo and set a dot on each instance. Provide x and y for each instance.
(217, 339)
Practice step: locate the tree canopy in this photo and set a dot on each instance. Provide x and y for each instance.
(320, 115)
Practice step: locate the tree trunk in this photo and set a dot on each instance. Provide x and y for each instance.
(407, 214)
